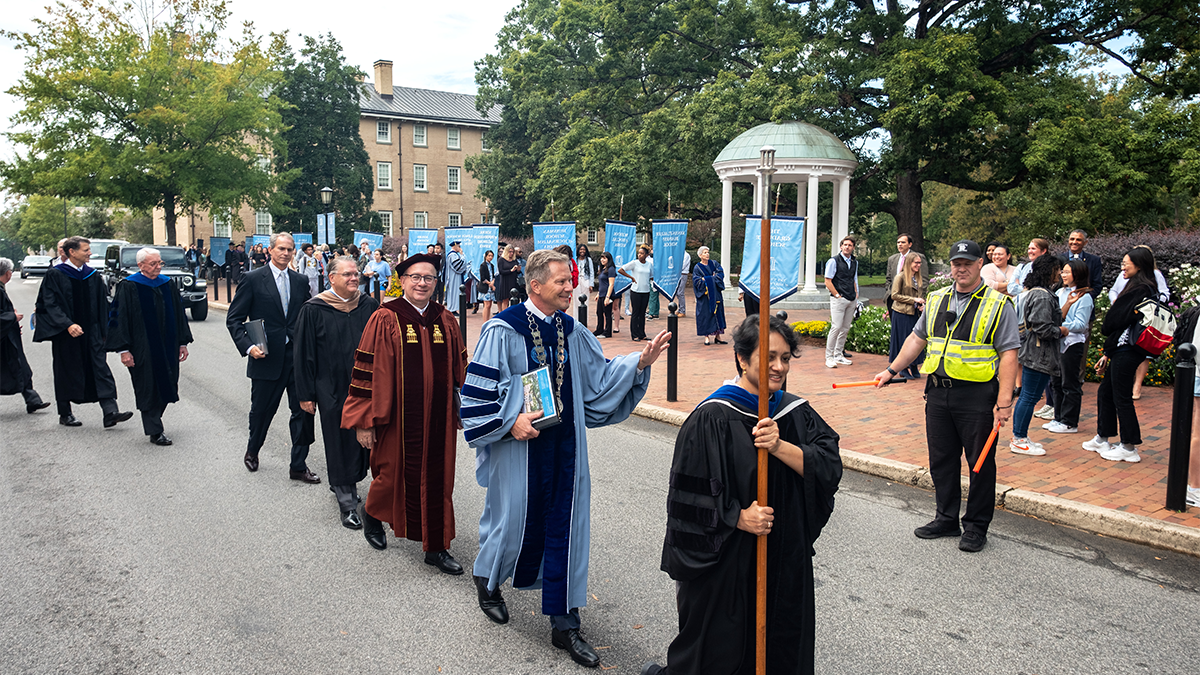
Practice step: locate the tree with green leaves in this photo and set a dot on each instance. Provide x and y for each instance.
(146, 106)
(636, 97)
(325, 148)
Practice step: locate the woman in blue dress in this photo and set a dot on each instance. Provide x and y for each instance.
(708, 280)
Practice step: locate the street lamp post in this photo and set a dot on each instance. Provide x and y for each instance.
(328, 217)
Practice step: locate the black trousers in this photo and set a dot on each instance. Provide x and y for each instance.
(107, 405)
(1068, 385)
(958, 420)
(152, 419)
(637, 319)
(603, 317)
(1114, 398)
(264, 402)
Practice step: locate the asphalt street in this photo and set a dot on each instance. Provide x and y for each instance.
(119, 556)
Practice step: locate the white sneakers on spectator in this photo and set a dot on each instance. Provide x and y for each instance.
(1193, 496)
(1056, 427)
(831, 363)
(1097, 444)
(1121, 452)
(843, 361)
(1045, 412)
(1024, 446)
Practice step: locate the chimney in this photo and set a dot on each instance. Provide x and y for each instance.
(383, 78)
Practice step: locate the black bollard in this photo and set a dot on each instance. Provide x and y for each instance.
(229, 286)
(514, 297)
(462, 310)
(673, 353)
(1181, 427)
(216, 290)
(782, 316)
(375, 282)
(583, 311)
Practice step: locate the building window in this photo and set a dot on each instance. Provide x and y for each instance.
(452, 182)
(421, 219)
(220, 223)
(420, 131)
(383, 175)
(385, 218)
(483, 141)
(642, 238)
(262, 222)
(453, 138)
(383, 132)
(591, 237)
(455, 220)
(419, 178)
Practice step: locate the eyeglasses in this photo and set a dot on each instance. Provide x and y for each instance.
(418, 278)
(153, 263)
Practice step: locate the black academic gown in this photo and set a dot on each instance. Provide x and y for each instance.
(713, 478)
(70, 296)
(148, 321)
(324, 356)
(15, 374)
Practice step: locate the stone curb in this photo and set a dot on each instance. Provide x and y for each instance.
(219, 306)
(1095, 519)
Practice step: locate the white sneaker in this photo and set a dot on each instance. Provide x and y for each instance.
(1045, 412)
(831, 363)
(1056, 427)
(1121, 452)
(1193, 496)
(1097, 444)
(1024, 446)
(843, 361)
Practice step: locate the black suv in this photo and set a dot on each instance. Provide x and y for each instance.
(121, 261)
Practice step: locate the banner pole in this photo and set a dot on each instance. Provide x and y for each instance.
(765, 169)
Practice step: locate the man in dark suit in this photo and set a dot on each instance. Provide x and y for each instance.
(273, 293)
(1075, 243)
(896, 263)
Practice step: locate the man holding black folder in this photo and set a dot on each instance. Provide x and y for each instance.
(273, 294)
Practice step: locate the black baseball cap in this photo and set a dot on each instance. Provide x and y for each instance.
(965, 250)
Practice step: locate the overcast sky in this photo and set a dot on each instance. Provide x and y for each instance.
(434, 45)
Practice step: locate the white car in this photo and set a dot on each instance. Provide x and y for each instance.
(35, 265)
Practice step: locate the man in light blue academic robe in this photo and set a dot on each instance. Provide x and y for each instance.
(456, 270)
(535, 527)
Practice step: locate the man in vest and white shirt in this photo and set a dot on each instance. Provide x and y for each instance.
(841, 278)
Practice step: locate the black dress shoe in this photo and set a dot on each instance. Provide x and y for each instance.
(373, 531)
(652, 668)
(937, 528)
(444, 562)
(69, 421)
(251, 461)
(351, 520)
(972, 542)
(581, 652)
(36, 407)
(306, 476)
(492, 604)
(160, 439)
(111, 419)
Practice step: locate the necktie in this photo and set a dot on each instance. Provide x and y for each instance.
(281, 280)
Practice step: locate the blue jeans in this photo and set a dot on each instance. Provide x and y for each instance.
(1033, 383)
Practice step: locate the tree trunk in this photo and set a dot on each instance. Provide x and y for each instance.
(909, 195)
(169, 217)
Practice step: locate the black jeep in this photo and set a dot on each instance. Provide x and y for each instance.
(121, 262)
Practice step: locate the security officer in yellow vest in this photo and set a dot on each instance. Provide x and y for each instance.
(971, 332)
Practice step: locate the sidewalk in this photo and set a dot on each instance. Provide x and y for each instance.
(883, 434)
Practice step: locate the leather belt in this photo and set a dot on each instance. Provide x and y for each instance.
(936, 380)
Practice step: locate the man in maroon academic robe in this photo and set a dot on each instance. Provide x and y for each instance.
(409, 364)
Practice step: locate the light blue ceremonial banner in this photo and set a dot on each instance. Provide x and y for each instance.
(484, 238)
(331, 229)
(670, 243)
(420, 240)
(301, 238)
(321, 238)
(786, 234)
(217, 247)
(374, 239)
(553, 235)
(255, 239)
(466, 239)
(620, 239)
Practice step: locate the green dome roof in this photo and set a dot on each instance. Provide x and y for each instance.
(791, 140)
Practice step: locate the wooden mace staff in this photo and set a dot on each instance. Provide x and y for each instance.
(765, 169)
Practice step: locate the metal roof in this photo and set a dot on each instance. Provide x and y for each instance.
(426, 104)
(792, 140)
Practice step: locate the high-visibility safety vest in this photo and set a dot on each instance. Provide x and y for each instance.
(966, 344)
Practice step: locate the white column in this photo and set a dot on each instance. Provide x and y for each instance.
(726, 224)
(810, 235)
(842, 202)
(801, 209)
(836, 222)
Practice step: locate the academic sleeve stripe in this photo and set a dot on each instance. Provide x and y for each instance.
(360, 374)
(480, 410)
(701, 486)
(361, 392)
(482, 430)
(471, 391)
(692, 513)
(488, 372)
(365, 357)
(693, 542)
